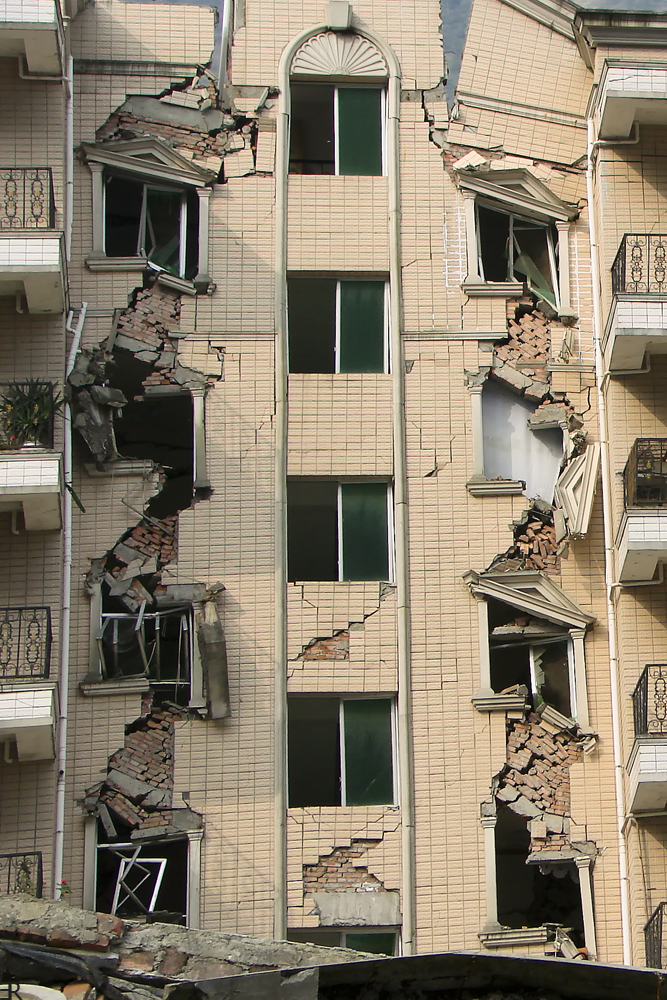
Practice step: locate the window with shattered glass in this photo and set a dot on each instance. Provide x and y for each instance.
(153, 221)
(152, 644)
(512, 248)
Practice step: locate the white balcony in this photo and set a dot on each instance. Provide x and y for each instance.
(33, 29)
(629, 93)
(33, 265)
(647, 775)
(30, 481)
(641, 543)
(636, 326)
(28, 716)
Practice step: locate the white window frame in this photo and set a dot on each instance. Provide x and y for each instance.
(554, 271)
(391, 555)
(383, 126)
(141, 239)
(572, 679)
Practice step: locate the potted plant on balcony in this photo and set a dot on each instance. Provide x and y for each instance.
(26, 413)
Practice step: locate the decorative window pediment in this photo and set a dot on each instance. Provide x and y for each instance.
(532, 592)
(520, 190)
(150, 158)
(333, 54)
(575, 489)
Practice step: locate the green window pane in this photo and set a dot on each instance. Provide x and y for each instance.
(369, 777)
(311, 310)
(361, 338)
(359, 130)
(376, 944)
(365, 543)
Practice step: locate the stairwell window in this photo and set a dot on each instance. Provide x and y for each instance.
(338, 531)
(154, 221)
(341, 751)
(337, 325)
(337, 130)
(512, 248)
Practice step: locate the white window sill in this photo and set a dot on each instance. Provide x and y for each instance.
(481, 487)
(111, 689)
(116, 263)
(499, 702)
(506, 936)
(504, 289)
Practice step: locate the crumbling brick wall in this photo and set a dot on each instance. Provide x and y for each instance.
(333, 647)
(339, 871)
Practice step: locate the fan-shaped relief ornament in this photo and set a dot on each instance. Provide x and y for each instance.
(333, 54)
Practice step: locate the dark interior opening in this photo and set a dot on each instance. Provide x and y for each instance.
(312, 530)
(510, 665)
(494, 235)
(312, 129)
(311, 304)
(526, 897)
(313, 751)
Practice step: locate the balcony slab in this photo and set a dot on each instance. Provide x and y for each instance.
(636, 326)
(28, 714)
(33, 264)
(631, 93)
(30, 480)
(34, 29)
(647, 775)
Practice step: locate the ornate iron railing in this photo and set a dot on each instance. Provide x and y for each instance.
(646, 473)
(25, 643)
(21, 873)
(26, 413)
(653, 938)
(649, 701)
(640, 266)
(26, 198)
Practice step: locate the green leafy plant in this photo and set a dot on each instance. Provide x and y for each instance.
(26, 412)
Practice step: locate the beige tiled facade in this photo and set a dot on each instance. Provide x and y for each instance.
(438, 857)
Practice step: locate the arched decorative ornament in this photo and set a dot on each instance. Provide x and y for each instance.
(333, 54)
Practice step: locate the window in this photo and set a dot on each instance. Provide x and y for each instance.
(146, 219)
(337, 326)
(338, 531)
(513, 248)
(512, 450)
(532, 652)
(153, 644)
(340, 751)
(377, 941)
(336, 130)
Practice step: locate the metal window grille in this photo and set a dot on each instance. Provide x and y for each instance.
(26, 198)
(22, 873)
(157, 645)
(25, 642)
(646, 473)
(653, 938)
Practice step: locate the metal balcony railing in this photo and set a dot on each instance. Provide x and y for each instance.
(26, 198)
(640, 266)
(26, 413)
(21, 873)
(646, 473)
(25, 643)
(653, 938)
(649, 701)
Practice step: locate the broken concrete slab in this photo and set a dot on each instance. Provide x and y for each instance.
(351, 908)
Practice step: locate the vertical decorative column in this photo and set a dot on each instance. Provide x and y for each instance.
(485, 688)
(194, 878)
(583, 863)
(475, 382)
(488, 820)
(97, 171)
(203, 280)
(566, 311)
(580, 693)
(200, 479)
(473, 274)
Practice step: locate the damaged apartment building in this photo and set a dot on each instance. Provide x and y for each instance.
(333, 471)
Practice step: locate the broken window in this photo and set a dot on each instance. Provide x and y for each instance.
(512, 450)
(527, 896)
(157, 645)
(340, 751)
(141, 880)
(377, 941)
(147, 219)
(336, 130)
(512, 248)
(532, 652)
(338, 531)
(337, 326)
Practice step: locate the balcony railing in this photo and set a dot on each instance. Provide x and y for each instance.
(26, 198)
(653, 938)
(646, 473)
(640, 267)
(21, 873)
(649, 701)
(26, 413)
(25, 643)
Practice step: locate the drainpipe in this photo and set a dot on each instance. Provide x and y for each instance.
(227, 11)
(65, 619)
(69, 158)
(609, 552)
(406, 783)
